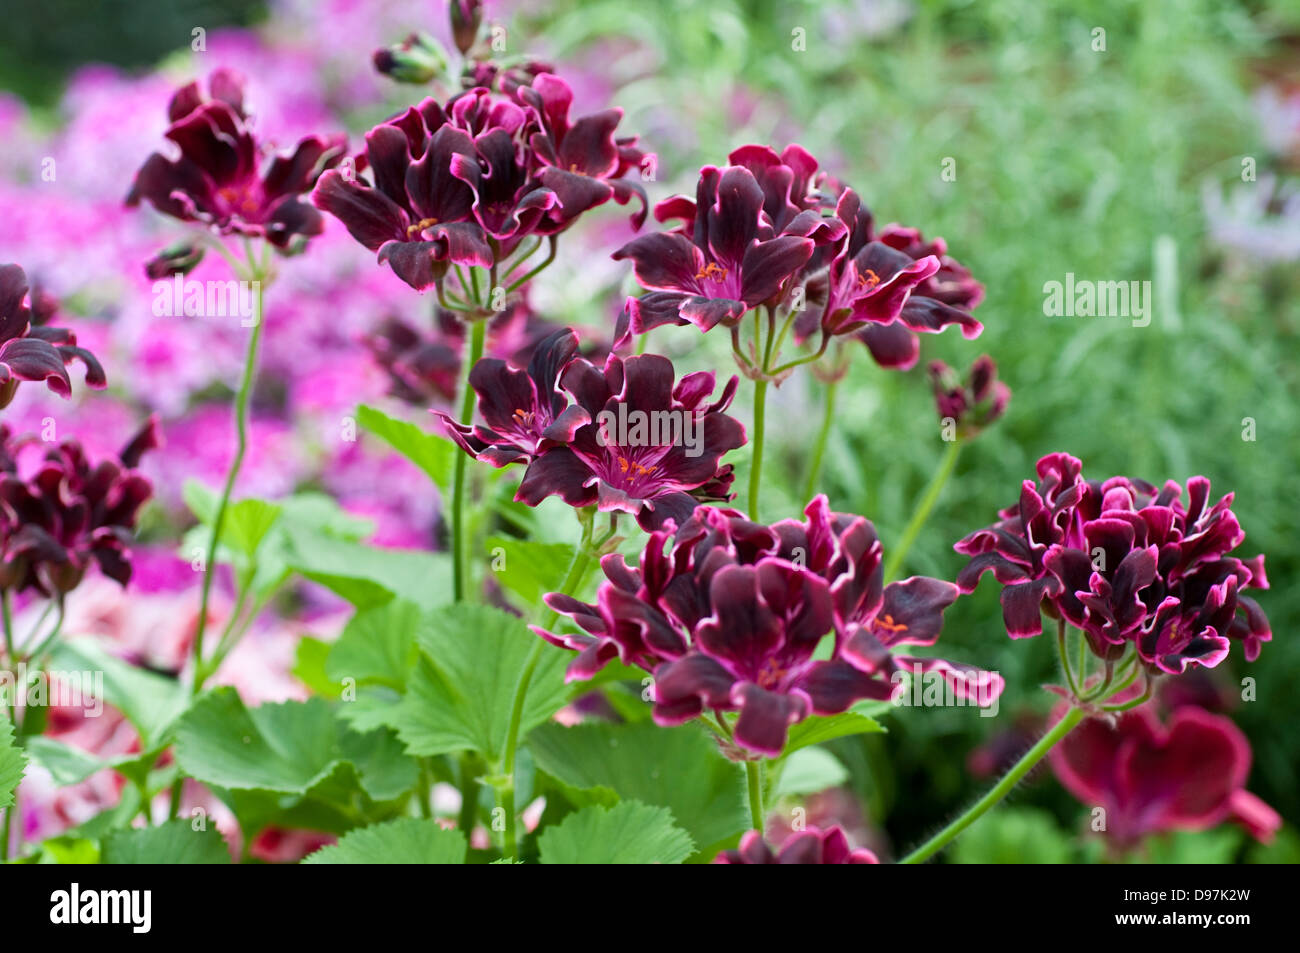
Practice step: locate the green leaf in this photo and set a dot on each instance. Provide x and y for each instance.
(174, 842)
(150, 702)
(68, 850)
(289, 747)
(12, 763)
(459, 695)
(630, 833)
(408, 840)
(377, 646)
(819, 729)
(66, 764)
(432, 454)
(309, 660)
(678, 768)
(247, 523)
(809, 770)
(368, 576)
(529, 569)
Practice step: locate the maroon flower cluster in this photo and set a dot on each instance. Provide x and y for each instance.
(563, 418)
(809, 846)
(69, 513)
(973, 404)
(466, 181)
(222, 176)
(768, 226)
(1124, 562)
(1187, 775)
(30, 350)
(731, 615)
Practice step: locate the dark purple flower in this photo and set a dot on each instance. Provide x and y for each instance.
(725, 259)
(525, 411)
(30, 350)
(809, 846)
(651, 445)
(974, 404)
(1124, 562)
(731, 617)
(220, 178)
(69, 514)
(1189, 775)
(582, 162)
(881, 292)
(417, 216)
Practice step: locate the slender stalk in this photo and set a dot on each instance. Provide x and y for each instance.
(241, 431)
(922, 511)
(533, 273)
(578, 568)
(999, 791)
(754, 772)
(460, 584)
(823, 438)
(756, 464)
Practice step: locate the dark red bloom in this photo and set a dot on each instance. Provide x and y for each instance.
(651, 446)
(725, 259)
(731, 617)
(69, 513)
(221, 178)
(885, 287)
(974, 404)
(1124, 562)
(582, 161)
(29, 349)
(809, 846)
(1188, 775)
(525, 411)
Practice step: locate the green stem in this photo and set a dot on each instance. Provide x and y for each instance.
(578, 568)
(1000, 790)
(241, 431)
(754, 772)
(823, 438)
(922, 511)
(756, 464)
(7, 832)
(460, 584)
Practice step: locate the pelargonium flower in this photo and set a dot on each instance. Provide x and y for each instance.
(726, 258)
(417, 216)
(525, 411)
(220, 177)
(70, 513)
(1124, 562)
(809, 846)
(29, 349)
(974, 404)
(884, 287)
(581, 161)
(651, 445)
(731, 617)
(1187, 775)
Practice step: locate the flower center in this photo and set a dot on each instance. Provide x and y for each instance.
(637, 469)
(771, 673)
(711, 272)
(524, 418)
(420, 226)
(887, 623)
(868, 279)
(238, 200)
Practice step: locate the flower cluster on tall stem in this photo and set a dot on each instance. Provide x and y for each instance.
(731, 615)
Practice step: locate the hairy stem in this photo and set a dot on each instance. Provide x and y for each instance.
(754, 773)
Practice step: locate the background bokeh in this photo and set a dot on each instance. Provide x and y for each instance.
(1117, 164)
